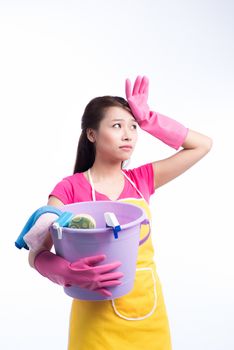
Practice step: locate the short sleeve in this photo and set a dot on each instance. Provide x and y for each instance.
(63, 191)
(143, 177)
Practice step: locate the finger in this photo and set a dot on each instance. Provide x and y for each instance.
(146, 85)
(110, 276)
(108, 267)
(128, 88)
(92, 260)
(104, 292)
(141, 87)
(110, 283)
(136, 85)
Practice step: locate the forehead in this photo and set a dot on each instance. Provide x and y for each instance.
(117, 113)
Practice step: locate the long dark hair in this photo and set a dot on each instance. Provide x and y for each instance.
(93, 114)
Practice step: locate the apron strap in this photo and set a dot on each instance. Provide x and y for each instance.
(134, 185)
(93, 189)
(92, 185)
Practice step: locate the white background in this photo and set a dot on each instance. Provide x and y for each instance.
(57, 55)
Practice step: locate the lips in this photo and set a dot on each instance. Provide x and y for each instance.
(126, 146)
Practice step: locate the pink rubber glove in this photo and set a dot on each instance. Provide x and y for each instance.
(82, 273)
(164, 128)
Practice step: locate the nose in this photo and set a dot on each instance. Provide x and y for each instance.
(126, 134)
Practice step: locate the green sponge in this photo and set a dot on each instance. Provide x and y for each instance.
(82, 221)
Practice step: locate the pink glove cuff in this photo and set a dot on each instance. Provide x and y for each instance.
(165, 129)
(52, 266)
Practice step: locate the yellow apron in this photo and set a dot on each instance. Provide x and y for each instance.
(135, 321)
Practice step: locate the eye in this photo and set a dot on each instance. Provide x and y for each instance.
(116, 124)
(134, 126)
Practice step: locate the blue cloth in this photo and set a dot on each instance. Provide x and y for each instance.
(20, 243)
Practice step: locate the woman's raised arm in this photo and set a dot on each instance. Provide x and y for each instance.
(195, 147)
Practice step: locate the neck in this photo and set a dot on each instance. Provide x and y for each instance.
(104, 171)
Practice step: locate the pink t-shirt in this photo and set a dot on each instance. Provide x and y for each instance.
(76, 188)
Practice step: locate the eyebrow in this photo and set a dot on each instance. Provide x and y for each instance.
(116, 120)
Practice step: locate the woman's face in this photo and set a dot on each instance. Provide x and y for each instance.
(117, 129)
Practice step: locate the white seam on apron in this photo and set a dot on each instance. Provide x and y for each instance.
(153, 308)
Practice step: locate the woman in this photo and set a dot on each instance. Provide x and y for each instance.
(108, 138)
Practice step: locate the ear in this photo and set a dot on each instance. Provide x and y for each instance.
(91, 135)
